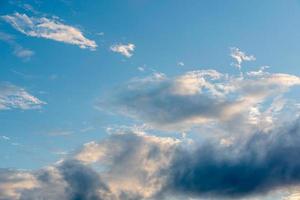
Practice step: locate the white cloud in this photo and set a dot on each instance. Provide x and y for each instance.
(125, 50)
(15, 97)
(49, 29)
(240, 57)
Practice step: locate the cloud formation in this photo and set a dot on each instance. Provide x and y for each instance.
(49, 29)
(240, 57)
(18, 50)
(133, 169)
(199, 97)
(132, 165)
(125, 50)
(258, 156)
(265, 162)
(13, 97)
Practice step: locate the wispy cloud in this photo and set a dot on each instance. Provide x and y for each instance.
(180, 64)
(240, 56)
(125, 50)
(50, 29)
(13, 97)
(3, 137)
(18, 50)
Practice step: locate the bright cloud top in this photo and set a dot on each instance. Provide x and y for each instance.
(125, 50)
(200, 97)
(13, 97)
(49, 29)
(240, 56)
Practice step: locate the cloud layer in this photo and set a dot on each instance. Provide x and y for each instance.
(49, 29)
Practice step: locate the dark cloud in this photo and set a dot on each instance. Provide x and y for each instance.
(84, 183)
(266, 162)
(71, 180)
(150, 167)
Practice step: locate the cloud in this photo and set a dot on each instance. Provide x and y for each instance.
(180, 64)
(132, 170)
(13, 97)
(134, 162)
(3, 137)
(265, 162)
(23, 53)
(67, 180)
(125, 50)
(18, 50)
(240, 57)
(198, 97)
(130, 165)
(12, 181)
(49, 29)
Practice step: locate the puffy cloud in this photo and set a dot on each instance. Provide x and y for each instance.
(125, 50)
(134, 163)
(240, 57)
(199, 97)
(131, 167)
(13, 182)
(49, 29)
(12, 97)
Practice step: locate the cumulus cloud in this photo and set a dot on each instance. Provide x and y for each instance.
(134, 162)
(198, 97)
(132, 165)
(124, 49)
(133, 169)
(49, 29)
(13, 181)
(240, 57)
(13, 97)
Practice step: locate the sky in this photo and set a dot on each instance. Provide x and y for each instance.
(149, 99)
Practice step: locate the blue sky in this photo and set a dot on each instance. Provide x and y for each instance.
(73, 73)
